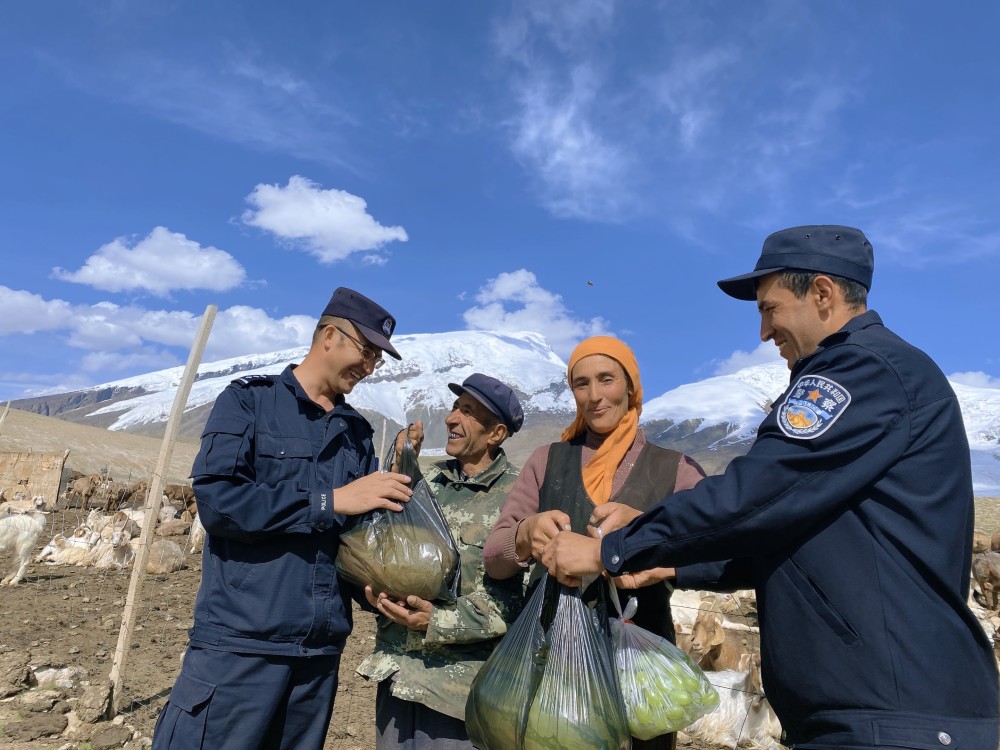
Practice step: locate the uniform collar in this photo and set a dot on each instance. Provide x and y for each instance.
(295, 386)
(451, 471)
(858, 322)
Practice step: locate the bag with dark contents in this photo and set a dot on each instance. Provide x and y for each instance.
(403, 552)
(550, 684)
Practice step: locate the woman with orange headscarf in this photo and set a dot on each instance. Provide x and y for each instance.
(603, 457)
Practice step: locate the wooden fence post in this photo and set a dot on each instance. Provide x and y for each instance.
(153, 501)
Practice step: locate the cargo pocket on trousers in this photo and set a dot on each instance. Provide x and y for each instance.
(183, 720)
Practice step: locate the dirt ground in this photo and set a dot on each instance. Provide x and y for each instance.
(68, 618)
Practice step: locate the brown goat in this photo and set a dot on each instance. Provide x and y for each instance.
(980, 542)
(986, 571)
(711, 646)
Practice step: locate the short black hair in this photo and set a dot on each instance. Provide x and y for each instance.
(324, 321)
(798, 283)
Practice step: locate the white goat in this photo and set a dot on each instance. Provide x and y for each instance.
(743, 718)
(18, 534)
(197, 534)
(63, 550)
(114, 550)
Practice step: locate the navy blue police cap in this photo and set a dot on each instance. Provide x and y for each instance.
(371, 319)
(495, 396)
(828, 249)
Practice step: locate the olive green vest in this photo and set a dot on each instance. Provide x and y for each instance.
(653, 477)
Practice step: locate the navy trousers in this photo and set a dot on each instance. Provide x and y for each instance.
(229, 701)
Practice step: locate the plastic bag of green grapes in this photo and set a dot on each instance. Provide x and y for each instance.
(663, 689)
(550, 683)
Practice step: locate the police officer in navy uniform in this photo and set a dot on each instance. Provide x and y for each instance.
(851, 516)
(283, 461)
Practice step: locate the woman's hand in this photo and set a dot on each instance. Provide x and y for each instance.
(644, 578)
(535, 532)
(610, 516)
(569, 557)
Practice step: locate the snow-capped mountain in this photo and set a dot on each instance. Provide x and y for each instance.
(712, 420)
(401, 391)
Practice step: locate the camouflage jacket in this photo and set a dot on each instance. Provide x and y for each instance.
(436, 668)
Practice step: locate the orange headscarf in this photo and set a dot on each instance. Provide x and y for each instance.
(599, 473)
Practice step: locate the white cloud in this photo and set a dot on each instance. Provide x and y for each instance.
(160, 263)
(24, 312)
(329, 224)
(237, 330)
(976, 379)
(225, 92)
(686, 97)
(120, 338)
(559, 91)
(515, 302)
(766, 353)
(246, 330)
(582, 173)
(144, 359)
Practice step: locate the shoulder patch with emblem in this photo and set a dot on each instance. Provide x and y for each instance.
(247, 380)
(814, 403)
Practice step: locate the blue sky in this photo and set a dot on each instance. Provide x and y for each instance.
(573, 168)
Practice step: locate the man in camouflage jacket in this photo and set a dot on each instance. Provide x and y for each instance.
(427, 653)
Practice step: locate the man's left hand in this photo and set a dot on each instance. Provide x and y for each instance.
(569, 556)
(416, 434)
(413, 613)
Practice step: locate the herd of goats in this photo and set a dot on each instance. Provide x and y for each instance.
(107, 536)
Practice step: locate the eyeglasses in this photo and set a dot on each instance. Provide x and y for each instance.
(367, 353)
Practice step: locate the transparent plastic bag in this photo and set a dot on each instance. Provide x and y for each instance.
(550, 683)
(403, 552)
(663, 689)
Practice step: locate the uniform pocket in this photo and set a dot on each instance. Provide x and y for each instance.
(182, 721)
(819, 602)
(277, 446)
(281, 458)
(222, 445)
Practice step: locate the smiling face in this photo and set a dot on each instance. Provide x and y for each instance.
(794, 325)
(348, 365)
(601, 390)
(472, 431)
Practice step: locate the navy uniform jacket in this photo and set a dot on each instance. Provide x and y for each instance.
(852, 517)
(264, 479)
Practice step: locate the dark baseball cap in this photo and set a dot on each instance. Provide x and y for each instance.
(827, 248)
(495, 396)
(371, 319)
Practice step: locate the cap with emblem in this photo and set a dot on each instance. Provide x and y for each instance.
(371, 319)
(831, 249)
(495, 396)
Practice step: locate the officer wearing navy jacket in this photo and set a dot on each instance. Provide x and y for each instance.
(283, 461)
(851, 516)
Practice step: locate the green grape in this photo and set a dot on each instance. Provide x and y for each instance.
(674, 713)
(680, 697)
(643, 713)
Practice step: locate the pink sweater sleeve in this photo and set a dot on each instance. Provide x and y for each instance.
(499, 553)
